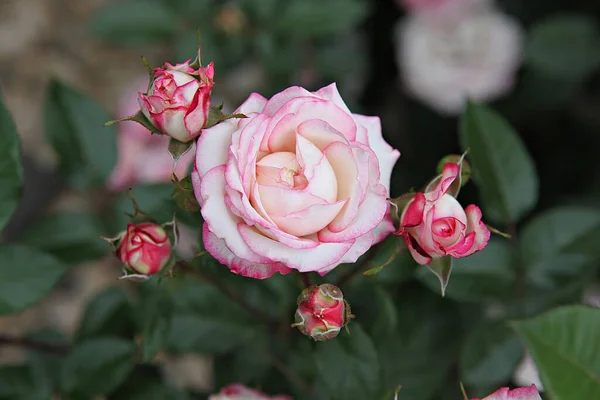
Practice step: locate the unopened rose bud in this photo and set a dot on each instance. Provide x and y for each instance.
(321, 312)
(145, 248)
(178, 101)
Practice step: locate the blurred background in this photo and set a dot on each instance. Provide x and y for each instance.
(413, 63)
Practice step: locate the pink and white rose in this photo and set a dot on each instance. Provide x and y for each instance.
(301, 183)
(178, 100)
(524, 393)
(143, 157)
(434, 224)
(458, 50)
(241, 392)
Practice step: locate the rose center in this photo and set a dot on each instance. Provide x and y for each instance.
(281, 169)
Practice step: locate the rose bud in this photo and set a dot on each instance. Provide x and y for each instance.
(145, 248)
(434, 224)
(241, 392)
(178, 101)
(321, 312)
(524, 393)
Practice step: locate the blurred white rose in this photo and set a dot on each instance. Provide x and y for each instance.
(463, 50)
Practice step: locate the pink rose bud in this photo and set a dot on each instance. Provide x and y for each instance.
(178, 101)
(434, 224)
(241, 392)
(321, 312)
(145, 248)
(524, 393)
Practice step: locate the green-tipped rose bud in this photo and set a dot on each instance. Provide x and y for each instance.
(145, 248)
(321, 312)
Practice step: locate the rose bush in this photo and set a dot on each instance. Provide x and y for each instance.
(241, 392)
(136, 145)
(178, 100)
(145, 248)
(434, 224)
(524, 393)
(301, 183)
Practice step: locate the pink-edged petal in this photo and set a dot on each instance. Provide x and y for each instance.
(316, 168)
(476, 227)
(320, 133)
(281, 98)
(212, 146)
(369, 215)
(417, 253)
(386, 154)
(309, 220)
(360, 247)
(526, 393)
(184, 94)
(197, 185)
(303, 260)
(447, 206)
(245, 145)
(219, 250)
(331, 93)
(281, 137)
(346, 169)
(220, 219)
(197, 113)
(462, 247)
(425, 236)
(385, 227)
(412, 215)
(286, 112)
(449, 174)
(255, 103)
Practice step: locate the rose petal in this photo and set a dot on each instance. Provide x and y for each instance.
(309, 220)
(219, 250)
(526, 393)
(282, 98)
(320, 133)
(449, 174)
(212, 147)
(417, 253)
(219, 218)
(331, 93)
(302, 260)
(476, 226)
(386, 154)
(316, 168)
(360, 247)
(280, 201)
(255, 103)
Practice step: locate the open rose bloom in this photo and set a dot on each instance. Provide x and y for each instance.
(434, 224)
(301, 183)
(524, 393)
(241, 392)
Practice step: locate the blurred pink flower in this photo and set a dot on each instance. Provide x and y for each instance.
(143, 157)
(463, 49)
(430, 5)
(241, 392)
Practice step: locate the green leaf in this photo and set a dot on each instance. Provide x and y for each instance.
(575, 37)
(97, 367)
(45, 366)
(109, 314)
(71, 237)
(11, 171)
(156, 323)
(313, 18)
(16, 383)
(135, 22)
(75, 128)
(441, 268)
(489, 355)
(560, 243)
(348, 365)
(26, 276)
(486, 275)
(509, 189)
(566, 350)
